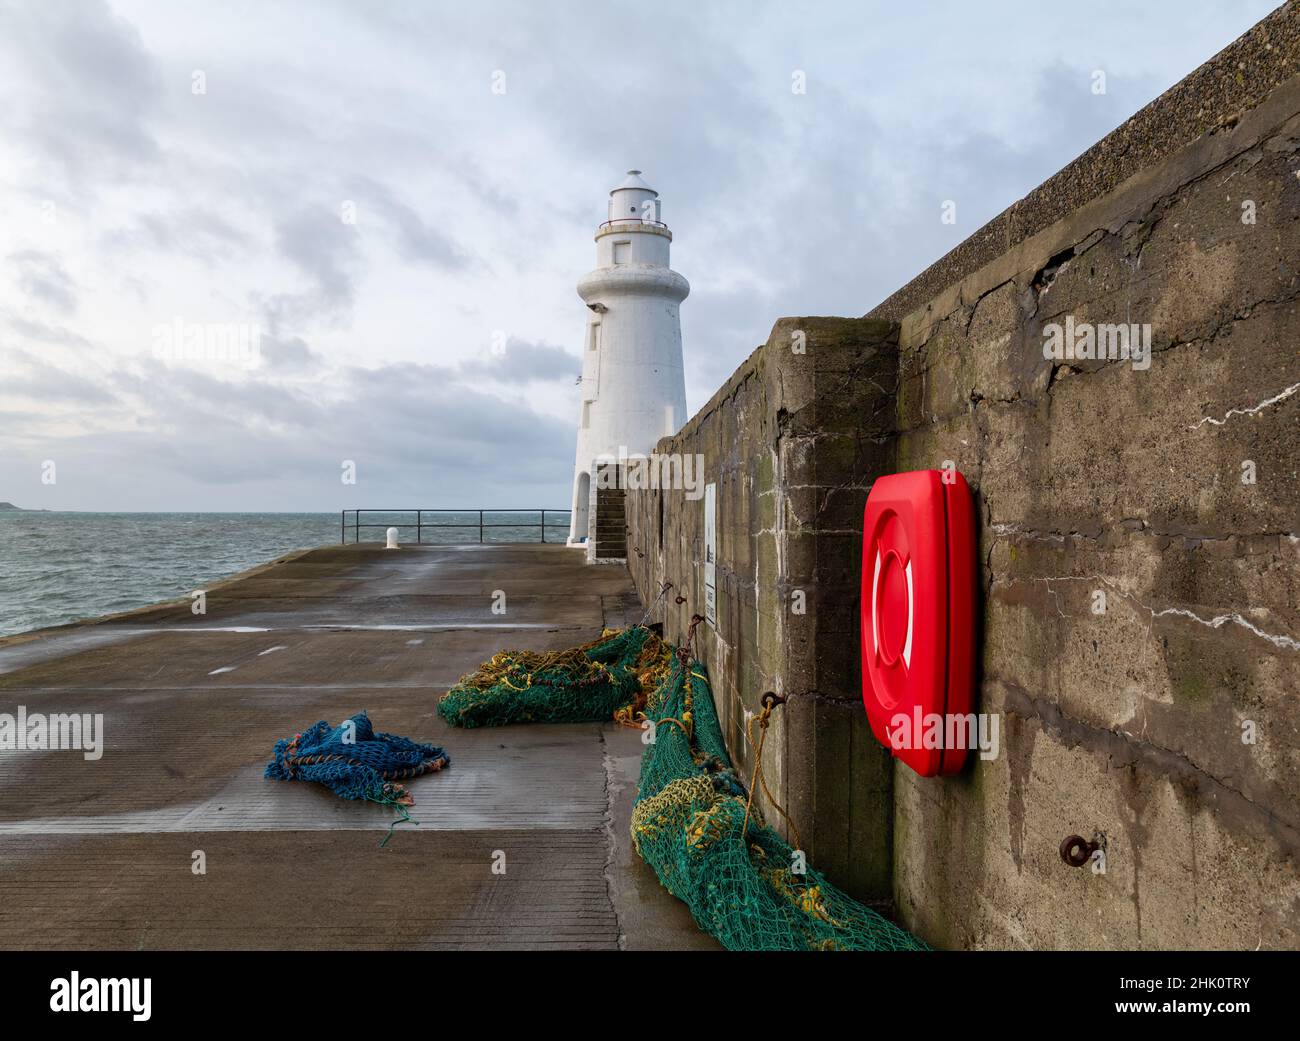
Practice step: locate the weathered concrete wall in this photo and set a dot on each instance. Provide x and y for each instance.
(1093, 478)
(1172, 490)
(793, 441)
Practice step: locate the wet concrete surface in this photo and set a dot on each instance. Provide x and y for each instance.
(100, 854)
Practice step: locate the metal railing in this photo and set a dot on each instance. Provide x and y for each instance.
(486, 521)
(632, 220)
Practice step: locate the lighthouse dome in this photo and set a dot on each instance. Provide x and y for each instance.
(633, 180)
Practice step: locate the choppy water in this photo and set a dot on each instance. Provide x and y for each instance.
(62, 567)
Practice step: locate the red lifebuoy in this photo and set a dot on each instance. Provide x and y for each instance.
(918, 614)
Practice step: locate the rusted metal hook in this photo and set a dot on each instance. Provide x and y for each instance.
(771, 699)
(1077, 851)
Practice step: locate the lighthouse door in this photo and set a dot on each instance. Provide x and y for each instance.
(581, 495)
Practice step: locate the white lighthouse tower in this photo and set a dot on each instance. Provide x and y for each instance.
(633, 383)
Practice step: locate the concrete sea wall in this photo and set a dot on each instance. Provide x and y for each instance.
(792, 442)
(1139, 543)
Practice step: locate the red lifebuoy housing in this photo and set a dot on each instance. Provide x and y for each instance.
(918, 615)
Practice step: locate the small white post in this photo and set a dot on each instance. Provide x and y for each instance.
(392, 539)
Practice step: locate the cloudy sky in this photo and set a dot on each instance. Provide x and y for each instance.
(342, 181)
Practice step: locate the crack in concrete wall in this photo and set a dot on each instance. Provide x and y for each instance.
(1251, 410)
(1278, 640)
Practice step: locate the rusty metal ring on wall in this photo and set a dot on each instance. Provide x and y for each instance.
(1076, 850)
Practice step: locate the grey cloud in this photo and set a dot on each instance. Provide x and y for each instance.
(317, 242)
(34, 331)
(417, 432)
(523, 362)
(50, 384)
(425, 416)
(43, 276)
(321, 245)
(93, 87)
(482, 184)
(191, 399)
(195, 231)
(289, 354)
(416, 239)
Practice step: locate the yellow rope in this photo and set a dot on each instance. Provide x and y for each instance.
(684, 725)
(758, 779)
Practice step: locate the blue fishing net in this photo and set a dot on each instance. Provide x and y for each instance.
(355, 762)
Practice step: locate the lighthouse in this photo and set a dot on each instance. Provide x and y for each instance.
(633, 383)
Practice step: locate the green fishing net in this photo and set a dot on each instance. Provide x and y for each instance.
(578, 685)
(743, 883)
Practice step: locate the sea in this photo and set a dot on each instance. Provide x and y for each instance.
(58, 567)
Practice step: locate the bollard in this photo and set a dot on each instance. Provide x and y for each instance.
(392, 539)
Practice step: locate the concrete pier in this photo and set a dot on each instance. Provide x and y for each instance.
(101, 854)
